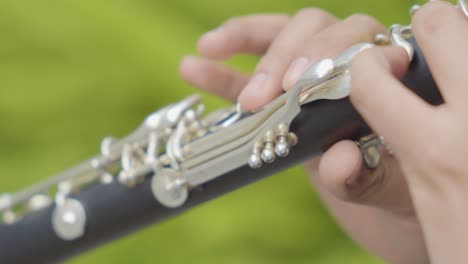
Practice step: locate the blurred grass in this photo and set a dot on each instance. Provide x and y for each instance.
(72, 72)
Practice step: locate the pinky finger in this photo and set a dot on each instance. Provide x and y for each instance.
(213, 77)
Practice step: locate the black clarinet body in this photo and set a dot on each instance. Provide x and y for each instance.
(114, 210)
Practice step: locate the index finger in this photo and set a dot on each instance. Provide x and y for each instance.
(246, 34)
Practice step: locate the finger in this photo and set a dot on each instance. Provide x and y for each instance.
(343, 173)
(266, 83)
(442, 33)
(389, 108)
(330, 42)
(213, 77)
(247, 34)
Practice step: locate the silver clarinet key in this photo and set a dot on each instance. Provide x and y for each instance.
(169, 188)
(327, 79)
(463, 5)
(69, 220)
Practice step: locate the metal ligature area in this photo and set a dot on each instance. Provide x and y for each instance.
(179, 157)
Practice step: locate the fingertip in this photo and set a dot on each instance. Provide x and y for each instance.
(186, 62)
(257, 93)
(397, 59)
(339, 166)
(294, 72)
(249, 103)
(186, 67)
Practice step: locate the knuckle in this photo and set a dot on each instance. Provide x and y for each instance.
(364, 60)
(234, 22)
(313, 13)
(284, 16)
(272, 62)
(440, 162)
(364, 20)
(236, 26)
(428, 18)
(275, 58)
(436, 152)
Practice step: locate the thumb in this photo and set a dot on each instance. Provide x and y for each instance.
(344, 174)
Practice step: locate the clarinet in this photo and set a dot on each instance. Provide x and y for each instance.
(178, 159)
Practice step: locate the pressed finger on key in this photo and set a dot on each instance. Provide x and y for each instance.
(266, 83)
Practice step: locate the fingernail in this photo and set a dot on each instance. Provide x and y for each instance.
(366, 180)
(255, 85)
(254, 88)
(357, 177)
(296, 69)
(352, 182)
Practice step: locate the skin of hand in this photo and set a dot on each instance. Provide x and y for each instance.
(428, 141)
(374, 207)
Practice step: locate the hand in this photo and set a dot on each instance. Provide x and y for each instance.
(429, 142)
(374, 207)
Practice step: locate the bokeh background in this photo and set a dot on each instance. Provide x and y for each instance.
(72, 72)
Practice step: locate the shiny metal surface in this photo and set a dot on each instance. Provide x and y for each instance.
(463, 5)
(414, 9)
(178, 149)
(169, 188)
(398, 36)
(69, 220)
(370, 148)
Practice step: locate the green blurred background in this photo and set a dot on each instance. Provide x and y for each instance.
(72, 72)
